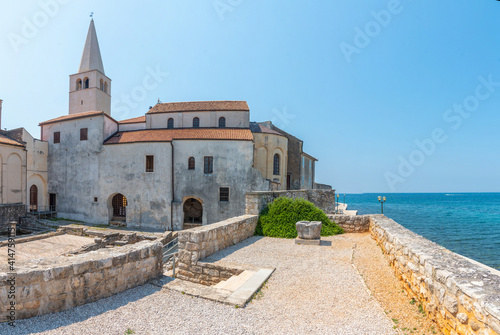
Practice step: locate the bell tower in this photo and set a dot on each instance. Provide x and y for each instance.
(90, 88)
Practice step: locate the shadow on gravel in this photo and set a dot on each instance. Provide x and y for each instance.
(229, 250)
(77, 314)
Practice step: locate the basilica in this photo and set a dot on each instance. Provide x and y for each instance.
(178, 165)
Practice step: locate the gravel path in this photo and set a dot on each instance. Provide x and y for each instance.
(314, 290)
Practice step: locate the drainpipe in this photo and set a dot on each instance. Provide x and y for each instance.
(173, 188)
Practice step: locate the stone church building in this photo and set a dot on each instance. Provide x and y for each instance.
(180, 163)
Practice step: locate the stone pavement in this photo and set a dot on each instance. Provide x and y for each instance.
(47, 247)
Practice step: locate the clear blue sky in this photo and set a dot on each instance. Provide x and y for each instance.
(358, 100)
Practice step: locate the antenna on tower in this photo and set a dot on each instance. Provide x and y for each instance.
(91, 15)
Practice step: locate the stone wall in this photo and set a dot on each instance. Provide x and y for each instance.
(323, 199)
(11, 212)
(352, 223)
(59, 283)
(200, 242)
(461, 295)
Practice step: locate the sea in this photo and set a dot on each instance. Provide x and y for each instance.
(465, 223)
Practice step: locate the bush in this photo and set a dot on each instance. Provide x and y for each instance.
(278, 218)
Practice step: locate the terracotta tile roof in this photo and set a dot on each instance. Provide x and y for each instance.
(7, 140)
(259, 128)
(76, 116)
(199, 106)
(167, 135)
(134, 120)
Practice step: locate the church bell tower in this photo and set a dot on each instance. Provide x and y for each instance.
(90, 88)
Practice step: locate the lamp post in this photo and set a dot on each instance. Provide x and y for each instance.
(344, 199)
(381, 200)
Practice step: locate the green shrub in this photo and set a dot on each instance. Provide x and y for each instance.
(278, 218)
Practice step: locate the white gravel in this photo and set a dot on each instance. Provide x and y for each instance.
(314, 290)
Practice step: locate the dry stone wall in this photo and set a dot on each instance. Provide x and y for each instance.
(11, 212)
(352, 223)
(200, 242)
(55, 284)
(461, 295)
(323, 199)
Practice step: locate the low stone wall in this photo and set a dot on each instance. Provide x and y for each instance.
(55, 284)
(352, 223)
(11, 212)
(461, 295)
(323, 199)
(200, 242)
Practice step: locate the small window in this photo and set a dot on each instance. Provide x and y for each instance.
(57, 137)
(95, 199)
(224, 194)
(105, 87)
(83, 134)
(86, 83)
(191, 163)
(150, 162)
(196, 122)
(78, 84)
(101, 85)
(222, 122)
(170, 123)
(276, 165)
(209, 164)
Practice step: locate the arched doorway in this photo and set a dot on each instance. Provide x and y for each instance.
(193, 211)
(33, 198)
(119, 204)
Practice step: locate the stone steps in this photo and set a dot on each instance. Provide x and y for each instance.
(235, 282)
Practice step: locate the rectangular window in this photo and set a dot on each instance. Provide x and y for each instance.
(57, 137)
(224, 194)
(150, 163)
(209, 164)
(83, 134)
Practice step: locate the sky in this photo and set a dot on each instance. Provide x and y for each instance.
(389, 96)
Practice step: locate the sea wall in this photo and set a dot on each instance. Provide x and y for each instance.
(323, 199)
(461, 295)
(59, 283)
(200, 242)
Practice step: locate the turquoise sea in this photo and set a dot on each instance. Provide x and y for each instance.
(465, 223)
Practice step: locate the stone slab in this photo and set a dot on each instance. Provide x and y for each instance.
(243, 294)
(307, 242)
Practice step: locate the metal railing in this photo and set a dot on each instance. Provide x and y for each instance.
(42, 211)
(170, 252)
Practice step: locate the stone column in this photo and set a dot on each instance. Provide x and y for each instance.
(12, 228)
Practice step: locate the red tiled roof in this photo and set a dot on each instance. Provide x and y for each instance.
(134, 120)
(167, 135)
(76, 116)
(7, 140)
(199, 106)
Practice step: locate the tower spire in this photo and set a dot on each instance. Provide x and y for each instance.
(91, 56)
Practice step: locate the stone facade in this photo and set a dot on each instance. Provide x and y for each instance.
(55, 284)
(10, 213)
(323, 199)
(352, 224)
(461, 295)
(198, 243)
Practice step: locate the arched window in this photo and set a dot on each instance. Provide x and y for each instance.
(276, 165)
(105, 87)
(222, 122)
(33, 198)
(78, 84)
(196, 122)
(191, 163)
(170, 123)
(86, 83)
(101, 85)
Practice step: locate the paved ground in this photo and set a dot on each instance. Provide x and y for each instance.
(47, 247)
(314, 290)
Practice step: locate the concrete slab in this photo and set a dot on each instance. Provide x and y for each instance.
(236, 292)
